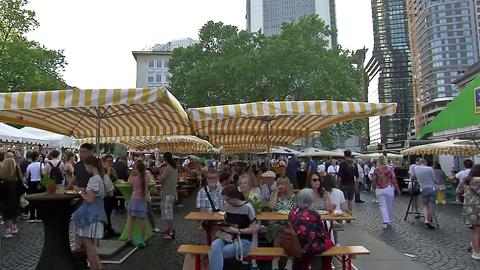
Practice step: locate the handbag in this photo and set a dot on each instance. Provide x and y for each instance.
(289, 241)
(225, 236)
(21, 187)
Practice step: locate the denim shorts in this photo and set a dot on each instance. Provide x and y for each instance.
(429, 195)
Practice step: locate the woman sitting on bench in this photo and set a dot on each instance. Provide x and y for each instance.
(241, 219)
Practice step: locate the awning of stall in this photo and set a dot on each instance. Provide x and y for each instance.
(462, 112)
(461, 148)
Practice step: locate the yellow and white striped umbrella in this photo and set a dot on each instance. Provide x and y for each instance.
(461, 148)
(250, 140)
(175, 144)
(97, 112)
(281, 118)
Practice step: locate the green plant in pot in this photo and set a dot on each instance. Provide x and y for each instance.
(48, 183)
(256, 203)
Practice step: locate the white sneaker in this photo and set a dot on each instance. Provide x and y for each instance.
(38, 220)
(157, 230)
(475, 256)
(385, 225)
(8, 233)
(15, 231)
(31, 221)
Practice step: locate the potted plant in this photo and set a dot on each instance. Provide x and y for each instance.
(256, 203)
(48, 183)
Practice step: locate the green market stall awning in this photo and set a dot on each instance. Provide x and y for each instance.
(462, 112)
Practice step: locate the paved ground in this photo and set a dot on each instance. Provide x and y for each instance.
(445, 248)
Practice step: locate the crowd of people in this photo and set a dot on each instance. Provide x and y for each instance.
(240, 189)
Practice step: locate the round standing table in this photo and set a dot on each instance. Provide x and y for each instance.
(55, 211)
(126, 190)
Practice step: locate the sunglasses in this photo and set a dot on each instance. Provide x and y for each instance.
(316, 179)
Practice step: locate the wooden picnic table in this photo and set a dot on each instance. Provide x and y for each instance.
(264, 216)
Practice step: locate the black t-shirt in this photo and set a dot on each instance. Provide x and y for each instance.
(121, 169)
(242, 216)
(81, 174)
(347, 172)
(23, 166)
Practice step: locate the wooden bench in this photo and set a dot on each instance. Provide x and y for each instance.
(346, 253)
(260, 254)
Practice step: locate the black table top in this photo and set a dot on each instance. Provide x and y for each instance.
(50, 197)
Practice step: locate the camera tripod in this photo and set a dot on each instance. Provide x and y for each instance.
(410, 210)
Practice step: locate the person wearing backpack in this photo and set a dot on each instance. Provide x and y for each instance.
(54, 167)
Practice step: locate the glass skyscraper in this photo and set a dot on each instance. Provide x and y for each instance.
(447, 32)
(267, 16)
(391, 54)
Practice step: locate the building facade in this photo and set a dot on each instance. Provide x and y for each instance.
(267, 16)
(390, 70)
(448, 42)
(372, 70)
(152, 64)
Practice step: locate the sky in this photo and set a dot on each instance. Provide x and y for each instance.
(98, 36)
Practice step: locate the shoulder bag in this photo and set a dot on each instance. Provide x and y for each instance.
(289, 241)
(214, 209)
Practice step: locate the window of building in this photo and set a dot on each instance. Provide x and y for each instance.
(159, 63)
(166, 63)
(158, 78)
(150, 63)
(150, 79)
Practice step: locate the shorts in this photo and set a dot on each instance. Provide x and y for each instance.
(429, 195)
(167, 206)
(348, 192)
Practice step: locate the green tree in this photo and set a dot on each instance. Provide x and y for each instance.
(25, 64)
(231, 66)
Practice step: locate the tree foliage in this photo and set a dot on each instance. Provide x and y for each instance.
(231, 66)
(25, 64)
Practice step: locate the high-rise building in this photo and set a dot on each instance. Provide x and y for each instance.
(267, 16)
(448, 43)
(389, 69)
(152, 64)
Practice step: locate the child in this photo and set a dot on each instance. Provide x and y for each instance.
(138, 206)
(90, 217)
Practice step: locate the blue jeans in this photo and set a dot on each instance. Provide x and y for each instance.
(221, 250)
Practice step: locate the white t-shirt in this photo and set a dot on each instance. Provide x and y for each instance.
(411, 170)
(321, 167)
(462, 175)
(34, 170)
(337, 198)
(333, 169)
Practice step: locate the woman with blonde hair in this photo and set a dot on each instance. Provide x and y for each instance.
(247, 187)
(12, 177)
(282, 198)
(385, 184)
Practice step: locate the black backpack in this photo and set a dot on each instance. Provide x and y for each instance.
(55, 173)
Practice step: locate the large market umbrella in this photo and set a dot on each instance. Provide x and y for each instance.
(176, 144)
(97, 112)
(281, 118)
(460, 113)
(377, 155)
(462, 148)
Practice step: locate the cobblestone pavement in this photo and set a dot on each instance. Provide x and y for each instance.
(445, 248)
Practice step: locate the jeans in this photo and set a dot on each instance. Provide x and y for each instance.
(221, 250)
(385, 200)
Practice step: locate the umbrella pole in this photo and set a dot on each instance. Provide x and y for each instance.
(268, 144)
(98, 133)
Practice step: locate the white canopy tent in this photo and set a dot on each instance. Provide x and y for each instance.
(377, 155)
(340, 151)
(315, 152)
(51, 138)
(281, 150)
(12, 134)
